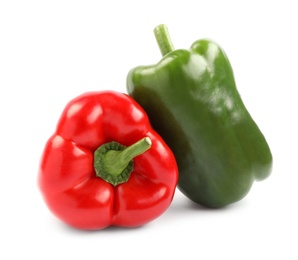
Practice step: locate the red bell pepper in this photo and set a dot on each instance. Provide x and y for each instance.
(105, 165)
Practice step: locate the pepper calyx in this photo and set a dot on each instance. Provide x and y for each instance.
(113, 162)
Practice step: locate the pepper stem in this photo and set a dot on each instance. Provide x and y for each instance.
(163, 39)
(113, 162)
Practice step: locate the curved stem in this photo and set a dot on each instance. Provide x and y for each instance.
(113, 162)
(163, 39)
(135, 149)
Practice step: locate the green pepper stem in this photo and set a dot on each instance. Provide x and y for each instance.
(113, 162)
(163, 39)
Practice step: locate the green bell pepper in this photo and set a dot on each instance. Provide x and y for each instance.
(192, 101)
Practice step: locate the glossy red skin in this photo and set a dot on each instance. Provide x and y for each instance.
(67, 178)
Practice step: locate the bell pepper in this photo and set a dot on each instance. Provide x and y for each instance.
(192, 101)
(105, 165)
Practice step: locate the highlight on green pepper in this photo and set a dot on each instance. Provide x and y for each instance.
(192, 101)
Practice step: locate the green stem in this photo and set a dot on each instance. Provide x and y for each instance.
(163, 39)
(113, 162)
(134, 150)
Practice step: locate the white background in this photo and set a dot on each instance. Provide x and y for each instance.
(52, 51)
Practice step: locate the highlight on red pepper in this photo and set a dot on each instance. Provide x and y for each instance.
(105, 165)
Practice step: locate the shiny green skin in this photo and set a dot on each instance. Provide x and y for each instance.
(191, 99)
